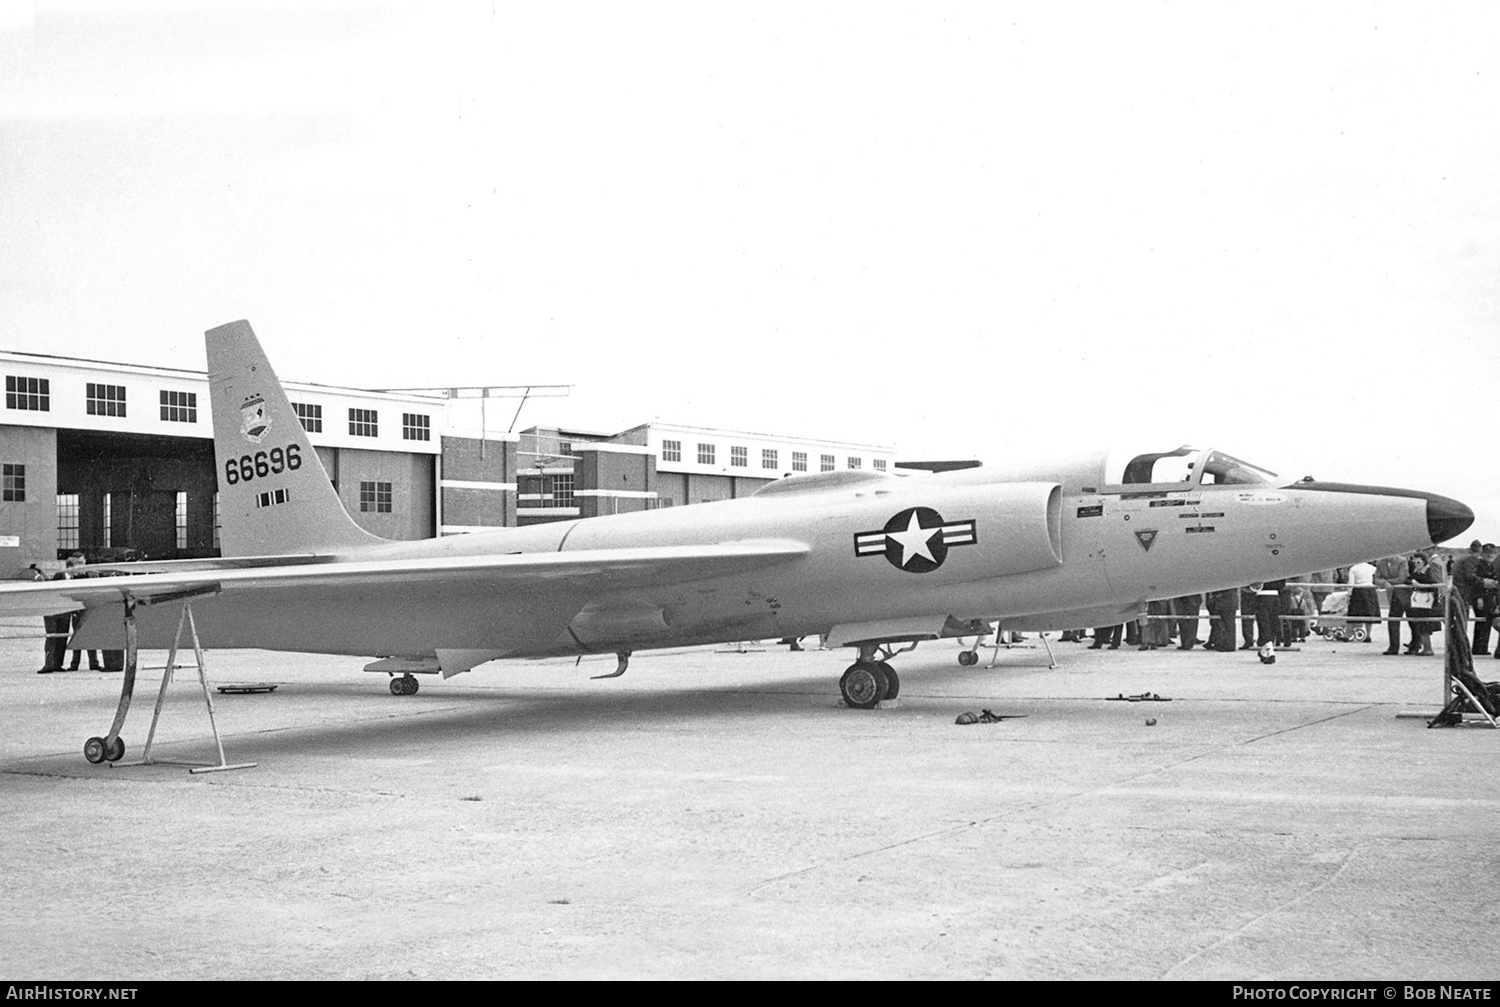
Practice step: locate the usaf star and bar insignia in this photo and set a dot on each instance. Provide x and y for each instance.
(916, 540)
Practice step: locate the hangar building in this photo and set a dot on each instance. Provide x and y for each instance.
(116, 460)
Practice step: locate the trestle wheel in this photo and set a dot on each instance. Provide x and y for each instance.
(97, 750)
(93, 750)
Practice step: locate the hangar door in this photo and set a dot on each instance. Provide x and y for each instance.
(143, 520)
(147, 494)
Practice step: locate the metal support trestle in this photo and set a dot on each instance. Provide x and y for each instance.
(185, 619)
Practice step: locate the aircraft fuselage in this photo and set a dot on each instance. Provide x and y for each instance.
(884, 550)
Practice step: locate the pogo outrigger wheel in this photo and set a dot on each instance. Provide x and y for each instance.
(110, 748)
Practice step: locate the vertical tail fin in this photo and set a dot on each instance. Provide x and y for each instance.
(274, 494)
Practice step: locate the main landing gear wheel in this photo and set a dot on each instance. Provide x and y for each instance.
(865, 684)
(404, 686)
(968, 658)
(96, 750)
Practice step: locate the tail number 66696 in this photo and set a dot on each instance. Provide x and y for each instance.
(262, 464)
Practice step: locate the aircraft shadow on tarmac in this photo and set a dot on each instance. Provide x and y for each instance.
(349, 722)
(356, 720)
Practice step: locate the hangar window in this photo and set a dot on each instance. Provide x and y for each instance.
(705, 454)
(181, 513)
(28, 393)
(879, 464)
(671, 451)
(364, 423)
(416, 427)
(561, 488)
(179, 407)
(13, 483)
(739, 456)
(799, 461)
(216, 520)
(375, 497)
(310, 415)
(768, 458)
(67, 520)
(106, 400)
(825, 463)
(854, 462)
(106, 526)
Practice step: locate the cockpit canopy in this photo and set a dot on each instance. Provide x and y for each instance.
(1182, 468)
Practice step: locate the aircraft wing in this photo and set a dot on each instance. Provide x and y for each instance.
(601, 570)
(140, 566)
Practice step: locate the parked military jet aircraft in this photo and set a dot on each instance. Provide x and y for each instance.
(868, 559)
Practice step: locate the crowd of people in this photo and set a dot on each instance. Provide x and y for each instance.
(1279, 613)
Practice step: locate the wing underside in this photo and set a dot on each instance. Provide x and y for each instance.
(389, 606)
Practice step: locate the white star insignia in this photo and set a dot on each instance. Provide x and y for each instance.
(914, 541)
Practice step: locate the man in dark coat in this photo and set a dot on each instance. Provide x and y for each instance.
(1391, 573)
(75, 564)
(1223, 607)
(1247, 617)
(1186, 610)
(1470, 572)
(1268, 613)
(1107, 636)
(54, 647)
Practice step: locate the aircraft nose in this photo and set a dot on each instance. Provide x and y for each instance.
(1446, 517)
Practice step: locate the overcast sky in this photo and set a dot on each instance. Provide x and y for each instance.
(972, 229)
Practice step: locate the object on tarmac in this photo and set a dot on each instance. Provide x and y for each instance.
(986, 717)
(1469, 693)
(1150, 721)
(1145, 697)
(1333, 621)
(111, 747)
(245, 688)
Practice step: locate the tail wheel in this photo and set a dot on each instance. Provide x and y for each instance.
(968, 658)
